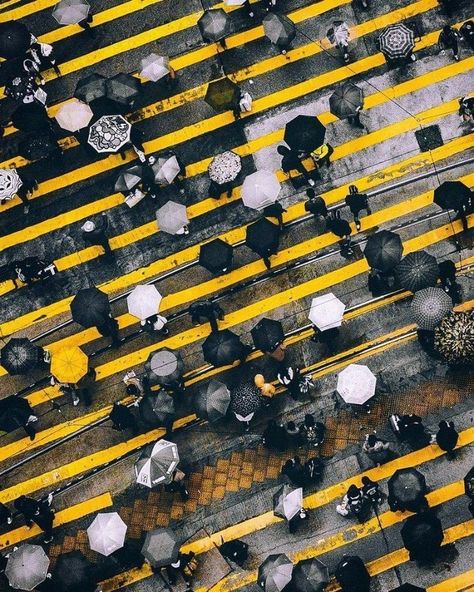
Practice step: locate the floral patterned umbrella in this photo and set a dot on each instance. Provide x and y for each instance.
(109, 133)
(245, 398)
(225, 167)
(454, 338)
(10, 182)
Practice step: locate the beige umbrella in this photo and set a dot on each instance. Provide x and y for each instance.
(260, 189)
(172, 217)
(154, 67)
(74, 116)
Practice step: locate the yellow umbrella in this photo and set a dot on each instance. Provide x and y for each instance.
(69, 364)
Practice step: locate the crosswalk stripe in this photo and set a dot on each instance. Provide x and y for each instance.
(29, 8)
(460, 583)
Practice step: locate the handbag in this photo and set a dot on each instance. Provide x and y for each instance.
(133, 198)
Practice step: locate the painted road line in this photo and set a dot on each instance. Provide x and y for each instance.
(66, 516)
(460, 583)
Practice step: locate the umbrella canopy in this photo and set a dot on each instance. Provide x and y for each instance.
(19, 356)
(287, 502)
(214, 24)
(222, 94)
(417, 270)
(164, 366)
(225, 167)
(10, 182)
(408, 588)
(71, 12)
(30, 117)
(326, 312)
(109, 133)
(279, 29)
(21, 85)
(107, 533)
(263, 237)
(407, 487)
(158, 410)
(73, 573)
(260, 189)
(90, 306)
(91, 87)
(74, 116)
(37, 146)
(27, 567)
(356, 384)
(222, 347)
(310, 575)
(275, 573)
(454, 338)
(15, 39)
(422, 535)
(469, 483)
(429, 307)
(161, 547)
(267, 334)
(123, 88)
(216, 256)
(234, 2)
(172, 217)
(245, 398)
(383, 250)
(352, 569)
(69, 364)
(451, 194)
(212, 401)
(304, 133)
(14, 412)
(144, 301)
(346, 100)
(154, 67)
(397, 41)
(157, 463)
(129, 178)
(166, 169)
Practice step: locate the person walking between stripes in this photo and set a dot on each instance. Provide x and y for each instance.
(315, 205)
(449, 39)
(292, 162)
(339, 35)
(357, 202)
(95, 233)
(342, 229)
(447, 438)
(208, 310)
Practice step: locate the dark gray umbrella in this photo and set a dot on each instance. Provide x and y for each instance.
(216, 256)
(73, 573)
(222, 94)
(267, 334)
(383, 250)
(408, 588)
(27, 567)
(123, 88)
(222, 348)
(352, 569)
(30, 117)
(91, 87)
(407, 488)
(15, 39)
(164, 366)
(70, 12)
(422, 535)
(19, 356)
(469, 483)
(158, 409)
(275, 573)
(161, 547)
(279, 29)
(129, 178)
(245, 398)
(451, 195)
(263, 237)
(38, 146)
(417, 270)
(429, 307)
(90, 306)
(212, 401)
(310, 575)
(346, 100)
(214, 24)
(304, 133)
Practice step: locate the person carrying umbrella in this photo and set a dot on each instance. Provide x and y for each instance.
(123, 419)
(357, 202)
(28, 186)
(447, 438)
(206, 309)
(177, 485)
(315, 205)
(38, 512)
(17, 412)
(339, 35)
(376, 449)
(236, 551)
(467, 32)
(447, 276)
(274, 436)
(110, 328)
(413, 431)
(43, 55)
(294, 471)
(292, 162)
(185, 565)
(95, 233)
(449, 39)
(328, 337)
(341, 228)
(155, 325)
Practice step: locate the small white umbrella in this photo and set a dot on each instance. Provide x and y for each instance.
(107, 533)
(326, 311)
(74, 116)
(144, 301)
(260, 189)
(27, 567)
(356, 384)
(172, 217)
(166, 169)
(234, 2)
(157, 463)
(10, 182)
(70, 12)
(154, 67)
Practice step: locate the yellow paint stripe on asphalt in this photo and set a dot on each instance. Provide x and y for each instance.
(66, 516)
(5, 5)
(461, 583)
(27, 9)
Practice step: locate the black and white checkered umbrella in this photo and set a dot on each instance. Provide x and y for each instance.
(397, 41)
(19, 356)
(429, 307)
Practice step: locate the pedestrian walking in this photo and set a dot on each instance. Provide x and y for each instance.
(43, 55)
(353, 504)
(29, 185)
(32, 68)
(95, 233)
(110, 328)
(380, 283)
(315, 205)
(412, 430)
(242, 103)
(32, 270)
(177, 485)
(321, 156)
(292, 434)
(206, 310)
(85, 385)
(275, 210)
(20, 414)
(135, 386)
(449, 39)
(292, 162)
(371, 491)
(69, 390)
(447, 276)
(248, 8)
(185, 565)
(294, 381)
(278, 354)
(149, 185)
(155, 325)
(38, 512)
(236, 550)
(355, 119)
(293, 470)
(86, 25)
(6, 516)
(341, 228)
(311, 431)
(274, 436)
(467, 32)
(466, 110)
(123, 419)
(447, 438)
(339, 35)
(376, 449)
(298, 518)
(328, 337)
(267, 389)
(357, 202)
(313, 470)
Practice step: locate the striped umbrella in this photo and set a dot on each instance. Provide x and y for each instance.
(10, 182)
(154, 67)
(429, 307)
(71, 12)
(417, 270)
(27, 567)
(397, 41)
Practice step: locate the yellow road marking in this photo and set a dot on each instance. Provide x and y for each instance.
(5, 5)
(75, 512)
(460, 583)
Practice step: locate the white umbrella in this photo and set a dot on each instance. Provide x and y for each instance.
(154, 67)
(70, 12)
(10, 182)
(74, 116)
(144, 301)
(260, 189)
(234, 2)
(287, 502)
(27, 567)
(157, 463)
(107, 533)
(166, 169)
(326, 311)
(356, 384)
(172, 217)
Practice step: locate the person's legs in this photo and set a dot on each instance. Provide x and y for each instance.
(30, 431)
(357, 220)
(456, 51)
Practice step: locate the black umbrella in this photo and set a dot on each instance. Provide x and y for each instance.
(245, 398)
(469, 483)
(263, 237)
(161, 547)
(310, 575)
(222, 94)
(123, 88)
(91, 87)
(451, 195)
(35, 147)
(267, 334)
(90, 307)
(216, 256)
(407, 488)
(158, 409)
(14, 412)
(129, 178)
(275, 573)
(20, 85)
(30, 117)
(408, 588)
(304, 133)
(19, 356)
(383, 250)
(422, 535)
(73, 573)
(417, 270)
(212, 401)
(352, 569)
(346, 100)
(279, 29)
(15, 39)
(222, 348)
(214, 24)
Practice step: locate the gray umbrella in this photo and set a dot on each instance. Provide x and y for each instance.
(214, 24)
(279, 29)
(27, 567)
(70, 12)
(158, 409)
(417, 270)
(213, 400)
(310, 575)
(164, 366)
(275, 573)
(161, 547)
(429, 307)
(129, 178)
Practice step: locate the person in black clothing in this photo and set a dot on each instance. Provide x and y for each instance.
(298, 518)
(449, 39)
(357, 202)
(43, 55)
(449, 6)
(413, 431)
(467, 32)
(216, 190)
(274, 436)
(179, 567)
(355, 119)
(29, 184)
(292, 434)
(85, 385)
(291, 378)
(315, 205)
(110, 328)
(205, 309)
(294, 471)
(371, 491)
(342, 229)
(275, 210)
(6, 516)
(380, 282)
(86, 25)
(328, 337)
(123, 419)
(32, 269)
(447, 438)
(95, 233)
(292, 162)
(236, 551)
(313, 470)
(20, 414)
(38, 512)
(177, 485)
(447, 275)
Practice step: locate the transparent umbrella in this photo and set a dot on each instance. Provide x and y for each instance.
(107, 533)
(172, 217)
(166, 169)
(287, 502)
(70, 12)
(326, 312)
(356, 384)
(154, 67)
(260, 189)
